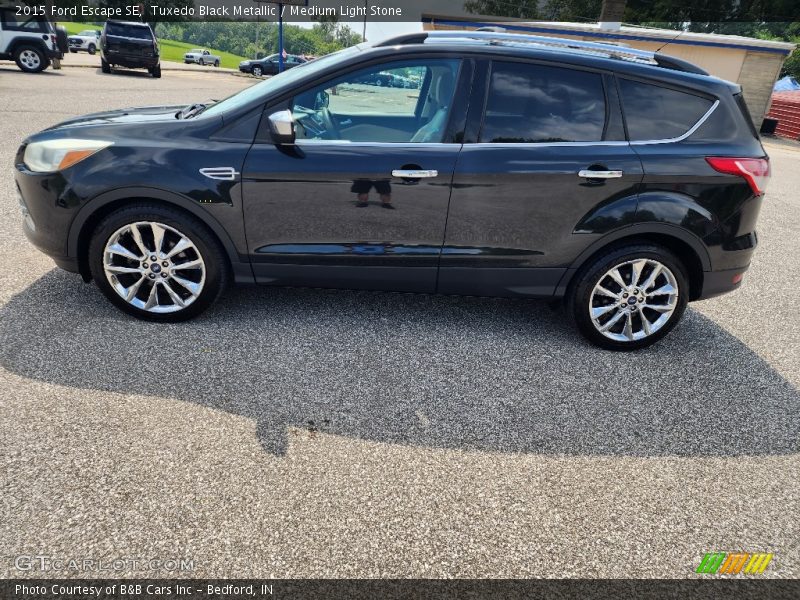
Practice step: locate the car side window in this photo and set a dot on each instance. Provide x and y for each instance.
(405, 101)
(11, 22)
(529, 103)
(653, 112)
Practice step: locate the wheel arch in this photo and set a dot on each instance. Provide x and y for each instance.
(28, 41)
(685, 245)
(94, 211)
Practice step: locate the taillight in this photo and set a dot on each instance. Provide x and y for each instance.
(754, 170)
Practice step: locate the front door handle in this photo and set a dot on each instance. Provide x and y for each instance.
(589, 174)
(414, 173)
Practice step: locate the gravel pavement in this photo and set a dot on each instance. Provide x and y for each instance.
(307, 433)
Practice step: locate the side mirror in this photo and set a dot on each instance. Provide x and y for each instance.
(281, 127)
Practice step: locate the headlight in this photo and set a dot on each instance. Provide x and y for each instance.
(57, 155)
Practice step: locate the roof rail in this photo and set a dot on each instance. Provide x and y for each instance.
(494, 37)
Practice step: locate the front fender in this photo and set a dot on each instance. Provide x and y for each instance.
(239, 261)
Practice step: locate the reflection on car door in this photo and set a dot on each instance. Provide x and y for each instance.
(520, 192)
(361, 200)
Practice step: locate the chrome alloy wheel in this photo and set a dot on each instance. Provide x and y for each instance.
(154, 267)
(633, 300)
(30, 59)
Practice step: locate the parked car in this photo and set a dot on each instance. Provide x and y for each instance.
(624, 188)
(201, 57)
(87, 40)
(129, 44)
(30, 41)
(270, 65)
(378, 79)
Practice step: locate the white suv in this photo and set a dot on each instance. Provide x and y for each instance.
(28, 40)
(87, 40)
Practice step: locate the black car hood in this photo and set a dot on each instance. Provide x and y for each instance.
(146, 114)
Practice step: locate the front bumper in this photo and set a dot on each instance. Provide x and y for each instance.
(48, 210)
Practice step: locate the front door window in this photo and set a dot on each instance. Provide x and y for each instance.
(400, 102)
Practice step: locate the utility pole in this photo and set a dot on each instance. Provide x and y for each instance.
(364, 31)
(280, 38)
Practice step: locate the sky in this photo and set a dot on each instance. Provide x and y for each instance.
(376, 30)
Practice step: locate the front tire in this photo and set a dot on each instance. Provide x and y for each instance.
(92, 49)
(156, 71)
(30, 59)
(629, 297)
(257, 71)
(188, 274)
(216, 63)
(104, 66)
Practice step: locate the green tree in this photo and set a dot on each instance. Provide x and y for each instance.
(519, 9)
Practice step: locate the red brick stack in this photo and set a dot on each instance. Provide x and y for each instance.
(786, 109)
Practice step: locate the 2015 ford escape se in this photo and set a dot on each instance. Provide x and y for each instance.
(626, 183)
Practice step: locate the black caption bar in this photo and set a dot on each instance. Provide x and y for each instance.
(393, 589)
(637, 11)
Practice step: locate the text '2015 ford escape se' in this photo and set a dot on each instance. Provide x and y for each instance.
(626, 183)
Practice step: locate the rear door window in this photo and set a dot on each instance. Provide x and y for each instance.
(529, 103)
(653, 112)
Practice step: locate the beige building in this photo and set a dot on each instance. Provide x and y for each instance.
(754, 64)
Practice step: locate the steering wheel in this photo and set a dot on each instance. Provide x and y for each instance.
(331, 130)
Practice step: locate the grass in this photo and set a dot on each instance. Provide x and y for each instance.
(171, 50)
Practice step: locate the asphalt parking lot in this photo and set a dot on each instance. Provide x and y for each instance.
(308, 433)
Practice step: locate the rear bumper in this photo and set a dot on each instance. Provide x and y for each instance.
(131, 62)
(716, 283)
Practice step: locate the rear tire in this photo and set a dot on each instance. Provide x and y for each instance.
(104, 66)
(30, 59)
(117, 273)
(202, 62)
(629, 297)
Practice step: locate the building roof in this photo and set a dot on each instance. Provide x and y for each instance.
(622, 34)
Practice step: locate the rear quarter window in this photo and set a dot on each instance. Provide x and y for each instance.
(653, 112)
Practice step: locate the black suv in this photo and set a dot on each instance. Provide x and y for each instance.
(624, 182)
(131, 45)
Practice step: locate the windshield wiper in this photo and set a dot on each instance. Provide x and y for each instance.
(191, 111)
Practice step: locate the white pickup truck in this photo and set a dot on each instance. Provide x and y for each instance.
(201, 57)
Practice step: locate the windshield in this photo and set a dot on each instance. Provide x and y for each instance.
(280, 81)
(88, 32)
(196, 50)
(129, 31)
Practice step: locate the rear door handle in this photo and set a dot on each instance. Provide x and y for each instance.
(589, 174)
(414, 173)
